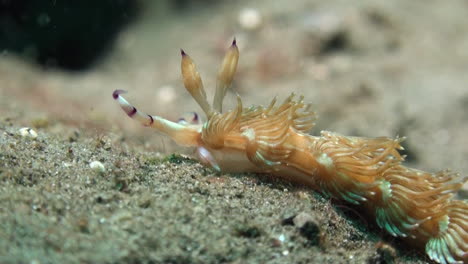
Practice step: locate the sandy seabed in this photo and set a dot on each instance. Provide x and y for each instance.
(371, 69)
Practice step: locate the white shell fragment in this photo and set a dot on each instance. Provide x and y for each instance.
(166, 94)
(250, 19)
(97, 166)
(28, 132)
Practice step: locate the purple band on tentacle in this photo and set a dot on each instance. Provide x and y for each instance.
(116, 93)
(195, 118)
(152, 120)
(133, 112)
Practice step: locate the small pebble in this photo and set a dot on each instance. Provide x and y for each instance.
(166, 94)
(250, 19)
(97, 166)
(385, 254)
(28, 132)
(323, 32)
(282, 238)
(303, 218)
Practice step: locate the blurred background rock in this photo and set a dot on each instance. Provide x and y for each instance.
(73, 35)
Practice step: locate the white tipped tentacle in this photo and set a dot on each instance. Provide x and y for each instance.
(186, 135)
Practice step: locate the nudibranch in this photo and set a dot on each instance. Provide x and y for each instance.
(409, 203)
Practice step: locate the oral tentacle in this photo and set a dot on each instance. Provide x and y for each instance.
(183, 134)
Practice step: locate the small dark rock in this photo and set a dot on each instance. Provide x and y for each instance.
(386, 254)
(288, 220)
(248, 231)
(83, 225)
(144, 202)
(309, 227)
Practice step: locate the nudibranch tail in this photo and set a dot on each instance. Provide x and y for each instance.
(368, 172)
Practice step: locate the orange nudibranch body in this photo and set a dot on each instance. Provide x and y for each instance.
(406, 202)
